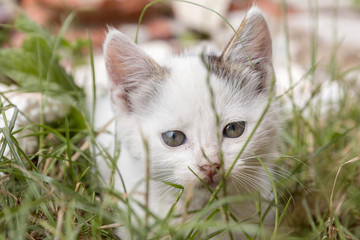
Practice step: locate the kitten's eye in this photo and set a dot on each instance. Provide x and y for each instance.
(234, 130)
(173, 138)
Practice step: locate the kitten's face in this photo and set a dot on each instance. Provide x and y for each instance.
(184, 105)
(188, 106)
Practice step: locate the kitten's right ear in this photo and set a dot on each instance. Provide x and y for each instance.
(252, 42)
(130, 70)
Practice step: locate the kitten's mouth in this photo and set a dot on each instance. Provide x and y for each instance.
(209, 183)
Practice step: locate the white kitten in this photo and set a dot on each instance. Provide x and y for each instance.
(174, 114)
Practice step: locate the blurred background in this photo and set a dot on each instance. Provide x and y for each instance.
(311, 33)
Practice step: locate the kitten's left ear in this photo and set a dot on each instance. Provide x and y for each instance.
(252, 42)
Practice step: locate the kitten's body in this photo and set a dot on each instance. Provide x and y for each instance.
(186, 94)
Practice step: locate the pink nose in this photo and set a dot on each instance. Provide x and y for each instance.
(210, 169)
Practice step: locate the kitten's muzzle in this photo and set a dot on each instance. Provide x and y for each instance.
(210, 170)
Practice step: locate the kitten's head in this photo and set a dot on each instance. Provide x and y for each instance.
(186, 106)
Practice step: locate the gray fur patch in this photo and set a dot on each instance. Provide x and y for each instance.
(240, 76)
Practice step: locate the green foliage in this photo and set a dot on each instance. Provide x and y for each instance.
(35, 67)
(40, 190)
(4, 35)
(356, 3)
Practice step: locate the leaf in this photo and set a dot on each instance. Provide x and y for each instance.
(32, 70)
(25, 25)
(173, 185)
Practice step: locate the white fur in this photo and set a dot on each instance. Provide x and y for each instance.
(183, 101)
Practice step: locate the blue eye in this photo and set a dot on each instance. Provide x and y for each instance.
(234, 130)
(173, 138)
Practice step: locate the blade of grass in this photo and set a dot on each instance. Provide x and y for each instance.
(188, 2)
(332, 141)
(93, 79)
(273, 236)
(68, 149)
(355, 159)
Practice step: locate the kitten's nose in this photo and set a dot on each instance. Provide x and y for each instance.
(210, 169)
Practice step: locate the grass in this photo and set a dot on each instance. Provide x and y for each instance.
(55, 193)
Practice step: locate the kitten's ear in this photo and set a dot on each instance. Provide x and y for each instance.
(252, 42)
(132, 73)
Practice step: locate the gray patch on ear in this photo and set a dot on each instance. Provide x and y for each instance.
(240, 76)
(246, 62)
(252, 42)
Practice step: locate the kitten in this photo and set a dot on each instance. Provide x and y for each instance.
(176, 113)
